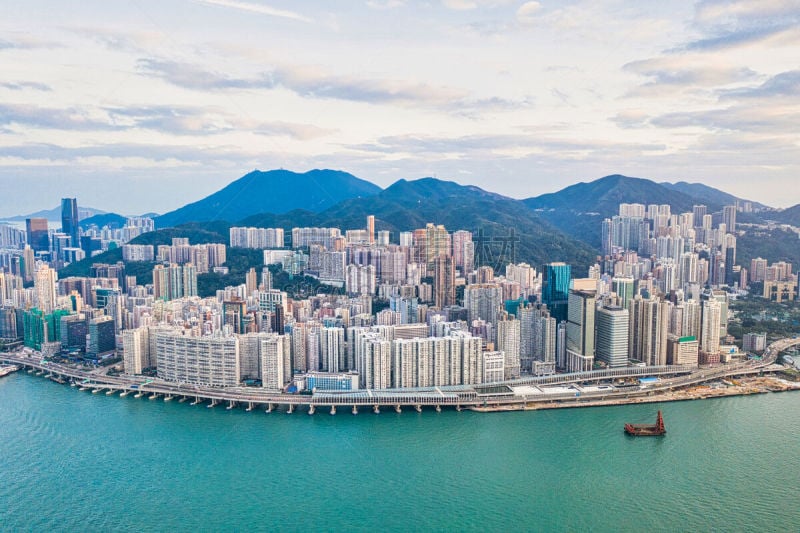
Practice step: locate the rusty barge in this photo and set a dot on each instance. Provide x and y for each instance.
(647, 430)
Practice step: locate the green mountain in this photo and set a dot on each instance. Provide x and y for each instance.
(408, 205)
(275, 191)
(790, 215)
(197, 234)
(578, 210)
(772, 244)
(112, 220)
(709, 195)
(604, 195)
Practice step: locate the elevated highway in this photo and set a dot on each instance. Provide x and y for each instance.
(495, 394)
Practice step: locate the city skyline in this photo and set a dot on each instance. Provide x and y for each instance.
(521, 98)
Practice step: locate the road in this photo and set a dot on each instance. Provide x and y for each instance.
(463, 396)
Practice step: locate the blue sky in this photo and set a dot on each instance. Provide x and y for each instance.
(137, 106)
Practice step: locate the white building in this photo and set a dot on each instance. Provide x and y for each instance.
(612, 336)
(493, 367)
(136, 350)
(209, 360)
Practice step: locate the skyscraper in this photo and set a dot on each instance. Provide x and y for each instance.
(371, 228)
(463, 251)
(69, 220)
(444, 281)
(174, 281)
(581, 328)
(709, 334)
(699, 211)
(483, 301)
(102, 338)
(332, 344)
(28, 263)
(273, 358)
(431, 242)
(623, 287)
(508, 342)
(136, 350)
(251, 281)
(649, 327)
(38, 237)
(555, 289)
(612, 336)
(729, 218)
(45, 285)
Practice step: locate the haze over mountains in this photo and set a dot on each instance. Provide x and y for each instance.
(563, 225)
(566, 220)
(55, 214)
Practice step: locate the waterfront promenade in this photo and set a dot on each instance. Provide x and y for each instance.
(565, 389)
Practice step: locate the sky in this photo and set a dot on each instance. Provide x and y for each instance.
(138, 106)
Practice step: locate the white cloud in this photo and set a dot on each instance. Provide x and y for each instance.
(460, 4)
(528, 12)
(256, 8)
(385, 4)
(391, 89)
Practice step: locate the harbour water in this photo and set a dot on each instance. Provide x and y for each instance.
(74, 461)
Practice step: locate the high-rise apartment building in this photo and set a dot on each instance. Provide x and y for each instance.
(508, 343)
(46, 291)
(648, 330)
(758, 269)
(371, 229)
(333, 349)
(699, 212)
(729, 218)
(464, 251)
(483, 301)
(174, 281)
(136, 350)
(360, 279)
(709, 333)
(275, 362)
(209, 360)
(444, 281)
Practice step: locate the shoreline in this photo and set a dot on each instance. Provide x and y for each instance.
(747, 387)
(681, 384)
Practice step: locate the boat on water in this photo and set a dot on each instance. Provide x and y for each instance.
(647, 430)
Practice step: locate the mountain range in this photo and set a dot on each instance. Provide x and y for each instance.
(787, 216)
(408, 205)
(55, 214)
(710, 195)
(560, 226)
(275, 191)
(564, 225)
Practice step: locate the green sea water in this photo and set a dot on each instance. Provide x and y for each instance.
(74, 461)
